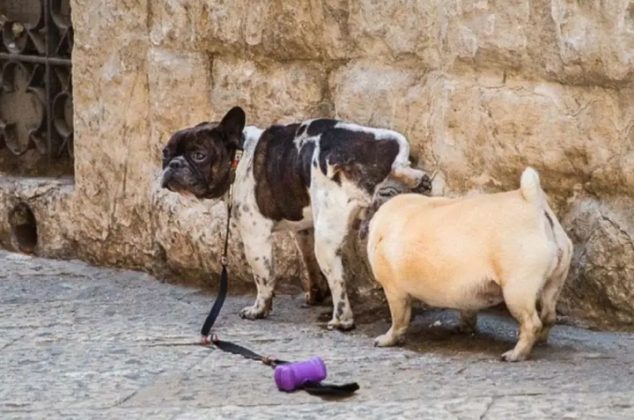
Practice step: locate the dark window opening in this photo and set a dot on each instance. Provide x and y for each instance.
(36, 100)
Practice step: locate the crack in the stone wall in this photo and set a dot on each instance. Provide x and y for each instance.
(628, 237)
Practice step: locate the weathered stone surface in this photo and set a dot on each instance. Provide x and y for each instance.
(596, 41)
(113, 160)
(490, 129)
(49, 202)
(481, 89)
(419, 30)
(78, 341)
(270, 92)
(274, 29)
(567, 41)
(601, 285)
(179, 84)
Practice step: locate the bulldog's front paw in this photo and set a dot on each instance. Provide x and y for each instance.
(341, 324)
(254, 312)
(513, 356)
(387, 340)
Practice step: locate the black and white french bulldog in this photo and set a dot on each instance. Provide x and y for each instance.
(313, 178)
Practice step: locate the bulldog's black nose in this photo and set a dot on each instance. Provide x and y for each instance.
(175, 164)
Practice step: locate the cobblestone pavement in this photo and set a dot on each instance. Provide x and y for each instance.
(78, 341)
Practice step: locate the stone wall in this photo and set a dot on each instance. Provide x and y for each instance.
(481, 89)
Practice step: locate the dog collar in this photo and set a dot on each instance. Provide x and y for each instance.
(237, 155)
(236, 159)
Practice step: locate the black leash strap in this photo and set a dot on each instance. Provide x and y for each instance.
(217, 306)
(222, 291)
(229, 347)
(224, 276)
(320, 389)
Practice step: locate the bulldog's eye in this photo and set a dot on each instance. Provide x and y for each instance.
(197, 155)
(165, 153)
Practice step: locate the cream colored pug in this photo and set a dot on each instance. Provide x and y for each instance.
(472, 253)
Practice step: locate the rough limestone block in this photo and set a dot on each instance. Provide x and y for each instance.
(270, 92)
(600, 287)
(596, 40)
(113, 164)
(273, 29)
(179, 88)
(49, 203)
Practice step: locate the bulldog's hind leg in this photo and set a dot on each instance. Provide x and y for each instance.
(331, 228)
(468, 323)
(550, 293)
(408, 175)
(314, 283)
(520, 296)
(415, 179)
(258, 248)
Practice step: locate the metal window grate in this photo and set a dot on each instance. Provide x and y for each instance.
(36, 102)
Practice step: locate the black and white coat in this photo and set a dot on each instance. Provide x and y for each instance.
(313, 179)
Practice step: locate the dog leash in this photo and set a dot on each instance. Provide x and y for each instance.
(207, 339)
(224, 276)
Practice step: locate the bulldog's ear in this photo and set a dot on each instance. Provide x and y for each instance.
(232, 125)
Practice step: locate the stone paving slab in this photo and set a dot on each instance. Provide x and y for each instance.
(78, 341)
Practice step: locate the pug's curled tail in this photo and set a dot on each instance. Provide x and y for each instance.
(530, 186)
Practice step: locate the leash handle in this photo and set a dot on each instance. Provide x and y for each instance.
(330, 390)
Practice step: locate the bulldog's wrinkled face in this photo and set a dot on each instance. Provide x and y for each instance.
(197, 160)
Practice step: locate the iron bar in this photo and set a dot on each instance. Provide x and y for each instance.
(35, 59)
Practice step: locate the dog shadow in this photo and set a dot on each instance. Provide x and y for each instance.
(436, 331)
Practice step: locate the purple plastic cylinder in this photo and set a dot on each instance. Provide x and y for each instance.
(291, 376)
